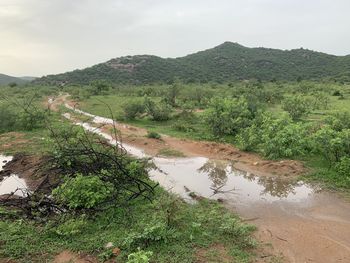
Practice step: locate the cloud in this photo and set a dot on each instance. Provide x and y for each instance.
(40, 37)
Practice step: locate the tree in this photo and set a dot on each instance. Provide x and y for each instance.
(332, 144)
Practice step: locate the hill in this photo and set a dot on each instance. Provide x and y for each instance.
(226, 62)
(5, 79)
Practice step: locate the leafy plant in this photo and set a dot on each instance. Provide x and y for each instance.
(227, 116)
(153, 135)
(83, 191)
(140, 256)
(297, 106)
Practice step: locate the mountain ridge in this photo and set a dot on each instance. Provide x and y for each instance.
(228, 61)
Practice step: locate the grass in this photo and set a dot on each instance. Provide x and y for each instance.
(171, 229)
(168, 152)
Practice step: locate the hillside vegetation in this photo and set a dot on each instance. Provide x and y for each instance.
(226, 62)
(5, 79)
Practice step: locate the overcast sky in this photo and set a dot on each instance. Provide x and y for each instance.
(39, 37)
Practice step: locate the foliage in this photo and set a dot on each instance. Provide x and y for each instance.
(158, 111)
(146, 224)
(224, 63)
(21, 117)
(282, 138)
(83, 191)
(153, 135)
(343, 167)
(297, 106)
(133, 109)
(332, 144)
(140, 257)
(339, 120)
(99, 174)
(228, 116)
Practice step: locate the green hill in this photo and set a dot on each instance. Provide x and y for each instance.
(5, 80)
(226, 62)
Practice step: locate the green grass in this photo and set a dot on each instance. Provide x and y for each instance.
(95, 106)
(170, 228)
(168, 152)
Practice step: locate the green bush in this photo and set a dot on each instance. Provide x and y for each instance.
(82, 192)
(14, 118)
(332, 144)
(140, 257)
(151, 233)
(339, 120)
(133, 109)
(282, 138)
(228, 116)
(158, 111)
(343, 167)
(297, 106)
(153, 135)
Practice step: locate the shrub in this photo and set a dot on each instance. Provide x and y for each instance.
(228, 116)
(140, 257)
(183, 126)
(343, 167)
(297, 106)
(153, 135)
(339, 120)
(151, 233)
(82, 192)
(133, 109)
(249, 139)
(337, 93)
(15, 118)
(158, 111)
(332, 144)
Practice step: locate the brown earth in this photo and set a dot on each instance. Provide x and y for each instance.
(67, 256)
(12, 140)
(32, 169)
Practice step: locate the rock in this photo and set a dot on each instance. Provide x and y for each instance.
(109, 245)
(116, 251)
(256, 163)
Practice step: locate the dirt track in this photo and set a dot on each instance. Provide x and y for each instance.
(315, 228)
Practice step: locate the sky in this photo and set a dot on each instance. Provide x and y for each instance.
(40, 37)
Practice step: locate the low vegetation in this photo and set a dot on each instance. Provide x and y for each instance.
(298, 120)
(102, 201)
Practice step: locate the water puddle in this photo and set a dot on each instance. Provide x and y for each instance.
(211, 178)
(11, 184)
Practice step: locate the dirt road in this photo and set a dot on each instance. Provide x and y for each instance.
(301, 222)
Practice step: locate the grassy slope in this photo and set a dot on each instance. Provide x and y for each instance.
(192, 227)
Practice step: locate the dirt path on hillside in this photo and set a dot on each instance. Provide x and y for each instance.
(305, 225)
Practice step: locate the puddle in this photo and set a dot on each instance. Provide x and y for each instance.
(212, 178)
(219, 179)
(95, 119)
(11, 183)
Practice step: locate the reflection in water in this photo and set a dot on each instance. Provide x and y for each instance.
(216, 171)
(213, 179)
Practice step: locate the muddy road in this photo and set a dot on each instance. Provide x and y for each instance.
(300, 221)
